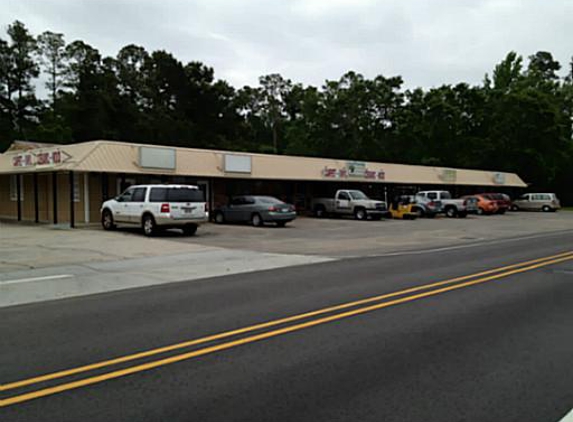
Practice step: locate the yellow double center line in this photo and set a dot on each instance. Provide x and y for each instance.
(437, 288)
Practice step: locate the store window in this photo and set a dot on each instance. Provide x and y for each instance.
(76, 189)
(14, 187)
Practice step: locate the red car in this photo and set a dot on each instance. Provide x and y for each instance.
(485, 205)
(502, 200)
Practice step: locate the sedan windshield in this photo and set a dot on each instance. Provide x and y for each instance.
(357, 195)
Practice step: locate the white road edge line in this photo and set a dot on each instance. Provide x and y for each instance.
(465, 246)
(568, 417)
(26, 280)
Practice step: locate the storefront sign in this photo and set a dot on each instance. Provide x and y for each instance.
(235, 163)
(449, 175)
(40, 159)
(157, 158)
(356, 168)
(499, 178)
(343, 173)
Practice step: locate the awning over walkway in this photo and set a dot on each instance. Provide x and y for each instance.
(129, 158)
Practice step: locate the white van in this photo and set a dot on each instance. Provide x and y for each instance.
(537, 202)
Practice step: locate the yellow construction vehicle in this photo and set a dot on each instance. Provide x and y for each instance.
(402, 208)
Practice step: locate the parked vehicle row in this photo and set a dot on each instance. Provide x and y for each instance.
(159, 207)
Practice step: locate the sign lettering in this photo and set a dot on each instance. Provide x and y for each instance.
(30, 159)
(344, 173)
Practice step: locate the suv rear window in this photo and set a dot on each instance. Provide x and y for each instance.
(176, 195)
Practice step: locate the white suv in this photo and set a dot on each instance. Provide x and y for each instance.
(154, 207)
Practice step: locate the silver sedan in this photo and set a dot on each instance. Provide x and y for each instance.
(255, 209)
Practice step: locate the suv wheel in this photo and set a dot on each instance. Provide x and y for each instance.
(545, 208)
(319, 211)
(360, 214)
(148, 225)
(190, 229)
(256, 220)
(451, 212)
(419, 212)
(219, 217)
(107, 220)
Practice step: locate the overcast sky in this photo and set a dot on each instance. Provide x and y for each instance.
(427, 42)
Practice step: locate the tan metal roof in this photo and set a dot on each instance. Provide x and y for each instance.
(121, 157)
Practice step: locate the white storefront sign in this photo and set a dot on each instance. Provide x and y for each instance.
(238, 163)
(157, 158)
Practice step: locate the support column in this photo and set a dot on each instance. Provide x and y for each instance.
(55, 196)
(104, 187)
(87, 197)
(19, 196)
(72, 205)
(36, 204)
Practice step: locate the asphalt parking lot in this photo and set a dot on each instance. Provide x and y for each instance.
(350, 238)
(44, 262)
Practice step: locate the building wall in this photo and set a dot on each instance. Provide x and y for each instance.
(9, 208)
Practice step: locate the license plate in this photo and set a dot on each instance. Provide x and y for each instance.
(187, 210)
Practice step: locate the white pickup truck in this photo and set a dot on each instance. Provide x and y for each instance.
(350, 202)
(451, 207)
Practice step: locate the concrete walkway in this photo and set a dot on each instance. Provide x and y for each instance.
(44, 263)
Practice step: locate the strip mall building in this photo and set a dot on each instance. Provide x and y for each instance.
(66, 184)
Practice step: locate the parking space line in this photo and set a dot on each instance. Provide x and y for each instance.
(27, 280)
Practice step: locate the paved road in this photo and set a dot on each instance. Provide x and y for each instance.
(489, 347)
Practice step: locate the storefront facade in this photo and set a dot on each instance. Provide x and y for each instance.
(66, 184)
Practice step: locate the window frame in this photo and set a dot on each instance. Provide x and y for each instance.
(14, 187)
(136, 190)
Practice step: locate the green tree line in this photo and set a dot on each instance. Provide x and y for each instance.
(519, 119)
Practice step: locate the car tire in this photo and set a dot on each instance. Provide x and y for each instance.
(107, 220)
(219, 217)
(420, 212)
(319, 211)
(190, 229)
(148, 225)
(256, 220)
(480, 211)
(546, 208)
(514, 208)
(281, 223)
(360, 214)
(451, 212)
